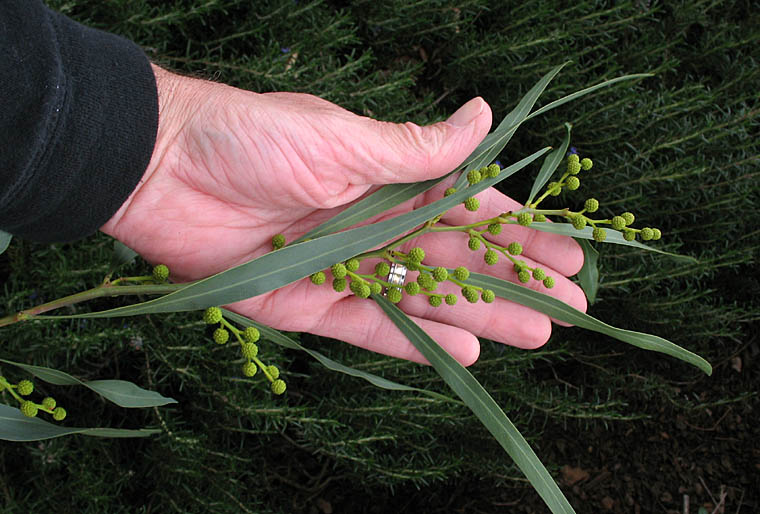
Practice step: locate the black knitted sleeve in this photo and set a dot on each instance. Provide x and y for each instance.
(78, 121)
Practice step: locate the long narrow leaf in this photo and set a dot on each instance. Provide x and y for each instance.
(122, 393)
(16, 427)
(588, 276)
(287, 265)
(5, 240)
(494, 143)
(483, 406)
(613, 236)
(583, 92)
(563, 312)
(551, 162)
(270, 334)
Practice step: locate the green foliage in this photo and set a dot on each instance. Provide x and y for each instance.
(678, 149)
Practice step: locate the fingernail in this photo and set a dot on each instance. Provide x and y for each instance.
(467, 113)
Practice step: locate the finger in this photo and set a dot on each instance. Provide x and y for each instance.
(561, 253)
(362, 323)
(304, 307)
(450, 250)
(388, 153)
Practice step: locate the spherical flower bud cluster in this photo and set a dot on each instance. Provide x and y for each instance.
(451, 299)
(573, 167)
(494, 229)
(490, 171)
(412, 288)
(440, 274)
(278, 387)
(278, 241)
(524, 219)
(249, 350)
(251, 334)
(474, 176)
(416, 254)
(514, 248)
(487, 296)
(472, 204)
(212, 315)
(591, 205)
(160, 273)
(450, 191)
(427, 282)
(25, 387)
(376, 288)
(578, 221)
(491, 257)
(59, 414)
(394, 295)
(352, 265)
(573, 183)
(435, 301)
(29, 409)
(48, 403)
(473, 243)
(338, 270)
(382, 269)
(470, 294)
(318, 278)
(221, 336)
(599, 234)
(618, 222)
(249, 369)
(586, 164)
(523, 276)
(538, 217)
(461, 273)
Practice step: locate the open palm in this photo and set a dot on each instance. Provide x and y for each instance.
(232, 168)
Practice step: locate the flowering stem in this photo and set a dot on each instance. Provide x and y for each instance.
(107, 289)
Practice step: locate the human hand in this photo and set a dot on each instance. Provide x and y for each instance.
(231, 168)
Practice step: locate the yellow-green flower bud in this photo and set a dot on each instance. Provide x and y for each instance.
(573, 183)
(515, 248)
(470, 294)
(586, 164)
(461, 273)
(416, 254)
(492, 170)
(278, 241)
(59, 414)
(352, 265)
(647, 233)
(494, 228)
(520, 266)
(412, 288)
(382, 269)
(473, 243)
(427, 282)
(451, 299)
(578, 221)
(338, 270)
(573, 157)
(249, 369)
(538, 218)
(318, 278)
(49, 403)
(487, 296)
(629, 218)
(539, 274)
(435, 301)
(524, 276)
(251, 334)
(491, 257)
(629, 235)
(573, 168)
(394, 295)
(450, 191)
(278, 387)
(249, 350)
(363, 290)
(212, 315)
(28, 409)
(554, 188)
(221, 336)
(656, 234)
(473, 176)
(591, 205)
(25, 387)
(524, 219)
(472, 204)
(549, 282)
(376, 288)
(440, 274)
(273, 372)
(160, 273)
(599, 234)
(339, 285)
(618, 222)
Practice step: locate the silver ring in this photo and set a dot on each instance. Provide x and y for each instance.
(397, 275)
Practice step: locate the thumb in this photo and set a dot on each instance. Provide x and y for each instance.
(408, 152)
